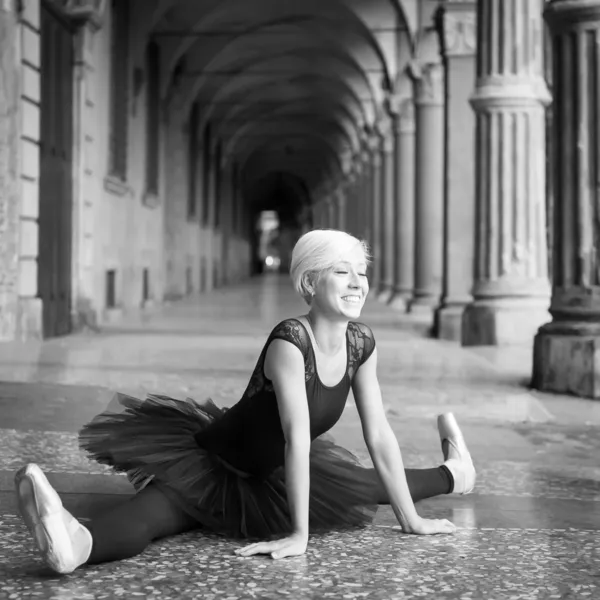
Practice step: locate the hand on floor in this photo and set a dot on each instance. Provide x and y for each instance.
(293, 545)
(431, 527)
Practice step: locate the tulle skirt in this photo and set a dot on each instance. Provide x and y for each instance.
(153, 440)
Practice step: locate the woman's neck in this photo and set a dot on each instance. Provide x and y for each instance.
(330, 336)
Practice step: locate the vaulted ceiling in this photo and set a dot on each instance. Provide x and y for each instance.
(288, 87)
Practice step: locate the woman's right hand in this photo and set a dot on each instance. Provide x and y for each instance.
(431, 527)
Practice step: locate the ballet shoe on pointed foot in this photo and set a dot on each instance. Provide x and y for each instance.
(62, 540)
(456, 454)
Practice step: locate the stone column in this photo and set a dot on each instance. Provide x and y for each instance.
(211, 230)
(429, 185)
(340, 209)
(331, 210)
(387, 215)
(319, 215)
(353, 201)
(375, 213)
(511, 290)
(364, 191)
(566, 355)
(10, 175)
(457, 25)
(404, 224)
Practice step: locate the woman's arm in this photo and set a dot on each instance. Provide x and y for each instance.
(284, 366)
(385, 452)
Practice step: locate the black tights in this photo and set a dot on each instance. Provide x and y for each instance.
(127, 529)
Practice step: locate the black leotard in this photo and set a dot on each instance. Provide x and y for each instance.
(249, 436)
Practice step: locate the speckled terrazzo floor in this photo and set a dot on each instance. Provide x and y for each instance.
(531, 530)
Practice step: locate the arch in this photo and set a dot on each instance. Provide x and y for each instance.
(286, 87)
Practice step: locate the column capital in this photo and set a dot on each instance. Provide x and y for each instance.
(374, 145)
(386, 138)
(405, 121)
(458, 28)
(82, 12)
(566, 14)
(352, 174)
(429, 83)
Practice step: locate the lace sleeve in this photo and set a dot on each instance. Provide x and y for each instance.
(291, 331)
(362, 344)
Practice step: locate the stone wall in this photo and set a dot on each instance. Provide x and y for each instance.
(117, 227)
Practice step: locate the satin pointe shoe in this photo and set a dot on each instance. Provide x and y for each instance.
(456, 454)
(62, 540)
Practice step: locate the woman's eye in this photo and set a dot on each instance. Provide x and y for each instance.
(342, 272)
(362, 274)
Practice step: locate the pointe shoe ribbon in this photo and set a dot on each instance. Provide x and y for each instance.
(458, 458)
(62, 540)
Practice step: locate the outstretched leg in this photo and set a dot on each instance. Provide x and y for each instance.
(422, 483)
(456, 475)
(122, 532)
(127, 529)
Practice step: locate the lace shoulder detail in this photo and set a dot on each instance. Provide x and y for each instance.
(291, 331)
(362, 344)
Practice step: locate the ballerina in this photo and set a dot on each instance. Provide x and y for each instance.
(263, 470)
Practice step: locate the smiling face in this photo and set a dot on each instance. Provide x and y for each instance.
(341, 291)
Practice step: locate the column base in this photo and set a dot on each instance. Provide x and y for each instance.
(566, 360)
(504, 321)
(400, 301)
(424, 305)
(448, 322)
(385, 295)
(421, 310)
(30, 319)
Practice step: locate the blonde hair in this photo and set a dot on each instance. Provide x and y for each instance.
(316, 252)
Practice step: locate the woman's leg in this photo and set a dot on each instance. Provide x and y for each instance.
(127, 529)
(122, 532)
(422, 483)
(456, 475)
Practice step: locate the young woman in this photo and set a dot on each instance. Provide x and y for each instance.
(261, 470)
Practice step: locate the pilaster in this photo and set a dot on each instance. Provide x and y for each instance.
(86, 174)
(567, 350)
(511, 290)
(10, 176)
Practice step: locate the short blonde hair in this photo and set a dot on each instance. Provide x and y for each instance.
(317, 251)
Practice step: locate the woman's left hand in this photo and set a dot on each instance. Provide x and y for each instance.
(293, 545)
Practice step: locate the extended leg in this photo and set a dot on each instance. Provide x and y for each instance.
(456, 475)
(422, 483)
(122, 532)
(127, 529)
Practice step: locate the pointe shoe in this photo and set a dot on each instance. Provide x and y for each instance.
(458, 459)
(63, 541)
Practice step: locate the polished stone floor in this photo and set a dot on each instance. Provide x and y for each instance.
(531, 530)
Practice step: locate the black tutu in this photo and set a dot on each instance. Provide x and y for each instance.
(152, 440)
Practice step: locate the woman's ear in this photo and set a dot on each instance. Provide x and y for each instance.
(308, 282)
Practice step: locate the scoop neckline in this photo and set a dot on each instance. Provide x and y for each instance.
(312, 349)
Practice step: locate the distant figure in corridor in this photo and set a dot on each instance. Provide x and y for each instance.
(261, 470)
